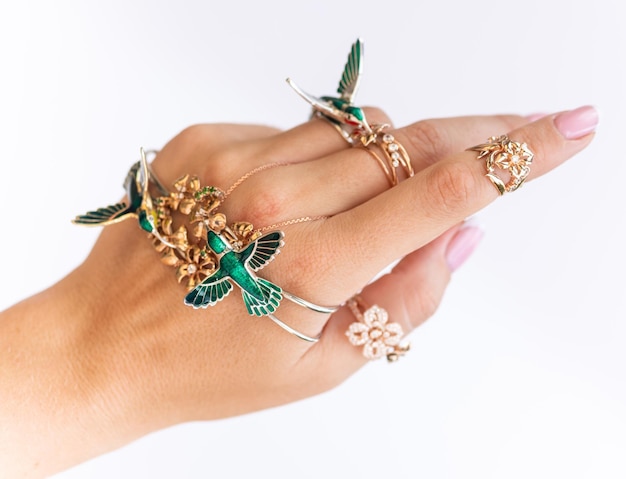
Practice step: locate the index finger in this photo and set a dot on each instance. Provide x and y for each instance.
(404, 218)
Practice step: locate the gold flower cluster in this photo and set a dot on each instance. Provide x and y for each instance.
(187, 250)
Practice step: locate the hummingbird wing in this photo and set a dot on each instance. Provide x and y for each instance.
(264, 250)
(131, 175)
(105, 216)
(112, 213)
(210, 291)
(143, 182)
(142, 178)
(273, 295)
(318, 104)
(349, 82)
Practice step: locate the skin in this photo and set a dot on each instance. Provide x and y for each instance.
(110, 352)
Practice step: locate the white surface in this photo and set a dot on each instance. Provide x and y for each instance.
(521, 373)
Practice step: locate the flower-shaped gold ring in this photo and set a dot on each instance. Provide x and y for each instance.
(374, 332)
(505, 157)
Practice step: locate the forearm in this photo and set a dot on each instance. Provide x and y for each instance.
(94, 363)
(58, 407)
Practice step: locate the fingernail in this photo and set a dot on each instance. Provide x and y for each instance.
(535, 117)
(577, 123)
(462, 245)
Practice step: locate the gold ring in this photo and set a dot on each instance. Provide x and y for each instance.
(373, 331)
(394, 154)
(504, 156)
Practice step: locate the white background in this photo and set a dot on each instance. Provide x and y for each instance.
(521, 372)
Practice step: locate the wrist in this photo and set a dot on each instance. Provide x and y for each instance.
(68, 390)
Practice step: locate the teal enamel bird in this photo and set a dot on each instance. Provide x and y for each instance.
(261, 297)
(341, 109)
(139, 203)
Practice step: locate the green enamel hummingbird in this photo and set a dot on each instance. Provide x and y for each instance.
(139, 203)
(341, 110)
(260, 296)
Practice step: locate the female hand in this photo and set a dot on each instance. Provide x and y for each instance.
(111, 352)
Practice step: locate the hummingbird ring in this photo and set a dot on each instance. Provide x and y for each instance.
(339, 110)
(504, 156)
(374, 332)
(394, 155)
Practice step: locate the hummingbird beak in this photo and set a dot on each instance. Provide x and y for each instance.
(163, 240)
(316, 103)
(156, 233)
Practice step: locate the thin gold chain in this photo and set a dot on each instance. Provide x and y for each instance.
(302, 219)
(258, 169)
(250, 173)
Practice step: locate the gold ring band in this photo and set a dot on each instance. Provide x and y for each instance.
(394, 155)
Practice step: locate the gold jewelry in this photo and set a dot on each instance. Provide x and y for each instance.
(507, 156)
(197, 251)
(373, 331)
(250, 173)
(185, 247)
(394, 154)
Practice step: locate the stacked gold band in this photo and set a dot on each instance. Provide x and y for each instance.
(394, 155)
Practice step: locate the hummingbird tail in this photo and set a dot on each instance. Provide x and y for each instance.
(273, 295)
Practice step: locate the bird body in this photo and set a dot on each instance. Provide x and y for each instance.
(261, 297)
(353, 115)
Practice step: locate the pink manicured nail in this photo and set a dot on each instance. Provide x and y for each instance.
(462, 245)
(577, 123)
(535, 117)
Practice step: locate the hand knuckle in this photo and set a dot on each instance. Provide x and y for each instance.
(450, 187)
(376, 115)
(426, 303)
(427, 139)
(263, 208)
(192, 135)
